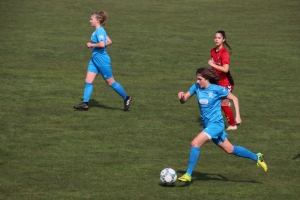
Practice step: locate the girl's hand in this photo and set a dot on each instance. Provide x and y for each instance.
(238, 121)
(180, 95)
(211, 62)
(89, 45)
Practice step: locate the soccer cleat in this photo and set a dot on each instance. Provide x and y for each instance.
(82, 106)
(127, 103)
(185, 178)
(261, 162)
(231, 128)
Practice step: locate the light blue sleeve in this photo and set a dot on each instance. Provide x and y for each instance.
(223, 92)
(101, 36)
(193, 89)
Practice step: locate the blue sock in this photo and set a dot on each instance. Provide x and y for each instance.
(87, 93)
(119, 89)
(194, 155)
(245, 153)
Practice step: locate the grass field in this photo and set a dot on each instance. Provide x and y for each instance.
(50, 151)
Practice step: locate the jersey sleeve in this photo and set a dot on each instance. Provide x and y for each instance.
(222, 92)
(101, 36)
(225, 58)
(193, 89)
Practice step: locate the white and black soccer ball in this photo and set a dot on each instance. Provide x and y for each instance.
(168, 175)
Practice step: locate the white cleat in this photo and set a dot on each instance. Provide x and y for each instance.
(229, 128)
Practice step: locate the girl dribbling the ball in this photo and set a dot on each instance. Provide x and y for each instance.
(209, 96)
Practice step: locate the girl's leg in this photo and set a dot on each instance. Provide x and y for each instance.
(88, 90)
(194, 156)
(198, 141)
(120, 90)
(116, 87)
(237, 150)
(229, 114)
(243, 152)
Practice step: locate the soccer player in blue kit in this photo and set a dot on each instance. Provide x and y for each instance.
(209, 96)
(100, 63)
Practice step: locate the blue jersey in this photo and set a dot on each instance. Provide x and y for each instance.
(209, 101)
(98, 36)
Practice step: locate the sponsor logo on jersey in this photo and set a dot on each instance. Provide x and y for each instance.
(203, 101)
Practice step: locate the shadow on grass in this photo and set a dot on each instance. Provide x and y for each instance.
(199, 120)
(166, 185)
(198, 176)
(94, 103)
(296, 156)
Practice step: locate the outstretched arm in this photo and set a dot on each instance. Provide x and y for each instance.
(184, 97)
(235, 100)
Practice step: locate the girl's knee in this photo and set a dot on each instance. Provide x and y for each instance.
(193, 144)
(228, 151)
(196, 144)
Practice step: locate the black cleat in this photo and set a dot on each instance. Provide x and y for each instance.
(82, 106)
(127, 103)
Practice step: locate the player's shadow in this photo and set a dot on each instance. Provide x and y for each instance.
(296, 156)
(94, 103)
(167, 185)
(198, 176)
(199, 120)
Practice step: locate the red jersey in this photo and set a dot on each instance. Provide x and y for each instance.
(221, 58)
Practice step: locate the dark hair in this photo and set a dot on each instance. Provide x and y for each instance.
(101, 16)
(224, 36)
(208, 73)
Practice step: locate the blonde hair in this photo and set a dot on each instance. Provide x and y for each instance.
(101, 16)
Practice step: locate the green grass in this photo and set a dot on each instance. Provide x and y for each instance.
(50, 151)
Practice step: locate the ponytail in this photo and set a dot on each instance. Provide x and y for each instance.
(101, 16)
(224, 36)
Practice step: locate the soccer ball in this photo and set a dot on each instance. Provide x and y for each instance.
(168, 175)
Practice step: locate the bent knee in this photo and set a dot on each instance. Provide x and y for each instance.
(228, 150)
(193, 144)
(196, 144)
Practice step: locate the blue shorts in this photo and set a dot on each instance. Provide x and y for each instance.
(215, 132)
(102, 65)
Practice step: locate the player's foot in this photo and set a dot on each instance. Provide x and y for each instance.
(185, 178)
(261, 162)
(127, 103)
(82, 106)
(231, 128)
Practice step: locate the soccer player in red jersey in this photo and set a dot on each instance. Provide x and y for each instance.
(220, 61)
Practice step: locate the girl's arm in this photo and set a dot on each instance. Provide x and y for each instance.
(224, 68)
(108, 41)
(184, 97)
(98, 45)
(235, 100)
